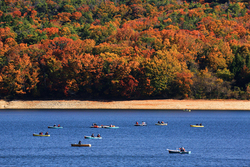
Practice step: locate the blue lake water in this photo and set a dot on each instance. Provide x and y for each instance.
(224, 140)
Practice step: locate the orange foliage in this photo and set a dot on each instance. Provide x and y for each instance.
(51, 31)
(31, 13)
(10, 42)
(17, 13)
(10, 1)
(6, 33)
(76, 15)
(83, 8)
(197, 12)
(142, 23)
(50, 2)
(183, 82)
(124, 34)
(142, 47)
(20, 76)
(64, 17)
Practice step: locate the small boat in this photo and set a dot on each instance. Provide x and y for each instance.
(105, 126)
(81, 145)
(55, 127)
(90, 137)
(40, 135)
(161, 124)
(111, 127)
(187, 110)
(142, 124)
(178, 152)
(94, 125)
(197, 126)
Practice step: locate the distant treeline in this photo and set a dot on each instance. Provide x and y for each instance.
(133, 49)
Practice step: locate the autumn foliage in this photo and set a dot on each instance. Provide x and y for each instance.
(124, 49)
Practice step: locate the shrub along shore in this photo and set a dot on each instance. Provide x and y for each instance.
(162, 104)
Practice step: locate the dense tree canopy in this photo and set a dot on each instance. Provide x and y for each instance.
(129, 49)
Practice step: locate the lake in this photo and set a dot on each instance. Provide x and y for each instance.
(224, 140)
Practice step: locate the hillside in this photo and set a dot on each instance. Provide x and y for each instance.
(132, 49)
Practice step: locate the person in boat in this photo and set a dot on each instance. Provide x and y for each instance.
(80, 142)
(182, 149)
(41, 133)
(162, 122)
(111, 125)
(159, 122)
(143, 123)
(58, 125)
(47, 133)
(98, 135)
(55, 125)
(136, 123)
(92, 135)
(200, 124)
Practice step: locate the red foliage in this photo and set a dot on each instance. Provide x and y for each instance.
(128, 86)
(183, 82)
(17, 13)
(76, 15)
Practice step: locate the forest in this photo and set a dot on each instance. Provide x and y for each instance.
(124, 49)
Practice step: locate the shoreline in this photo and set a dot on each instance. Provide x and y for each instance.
(163, 104)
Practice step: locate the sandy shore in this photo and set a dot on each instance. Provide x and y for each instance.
(133, 104)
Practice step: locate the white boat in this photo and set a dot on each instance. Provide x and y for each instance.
(197, 126)
(91, 137)
(55, 127)
(111, 127)
(161, 124)
(142, 124)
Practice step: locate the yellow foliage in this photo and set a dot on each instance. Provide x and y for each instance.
(107, 55)
(169, 20)
(64, 31)
(172, 27)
